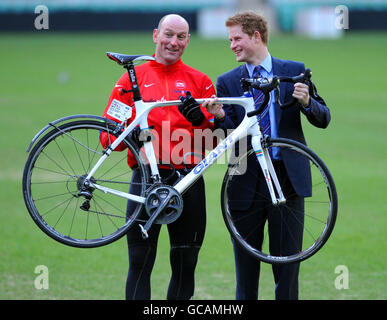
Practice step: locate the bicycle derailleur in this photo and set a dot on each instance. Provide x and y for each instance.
(85, 190)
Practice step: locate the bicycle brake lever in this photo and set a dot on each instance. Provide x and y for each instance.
(306, 79)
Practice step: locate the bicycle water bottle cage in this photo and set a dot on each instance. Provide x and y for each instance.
(139, 136)
(124, 59)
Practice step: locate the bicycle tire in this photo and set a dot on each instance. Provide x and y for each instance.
(55, 167)
(317, 219)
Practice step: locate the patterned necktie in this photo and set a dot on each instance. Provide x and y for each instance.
(264, 117)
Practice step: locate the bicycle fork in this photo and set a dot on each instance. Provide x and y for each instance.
(267, 167)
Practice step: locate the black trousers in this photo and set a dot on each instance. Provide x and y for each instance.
(186, 236)
(284, 236)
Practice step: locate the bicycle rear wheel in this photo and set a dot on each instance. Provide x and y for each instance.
(305, 224)
(54, 172)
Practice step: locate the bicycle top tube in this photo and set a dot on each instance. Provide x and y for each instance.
(243, 101)
(145, 107)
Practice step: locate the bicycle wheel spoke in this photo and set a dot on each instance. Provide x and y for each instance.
(48, 182)
(55, 207)
(108, 215)
(288, 228)
(99, 221)
(77, 141)
(64, 157)
(315, 218)
(112, 167)
(52, 171)
(88, 151)
(96, 148)
(79, 156)
(250, 233)
(60, 167)
(87, 223)
(50, 197)
(113, 206)
(73, 218)
(63, 212)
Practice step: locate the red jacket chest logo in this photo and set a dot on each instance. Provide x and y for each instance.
(180, 84)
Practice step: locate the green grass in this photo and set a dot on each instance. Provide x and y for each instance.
(350, 76)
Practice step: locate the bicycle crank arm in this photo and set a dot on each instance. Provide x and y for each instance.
(153, 217)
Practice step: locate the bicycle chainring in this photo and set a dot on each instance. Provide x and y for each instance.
(156, 195)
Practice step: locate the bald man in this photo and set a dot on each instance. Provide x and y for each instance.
(167, 78)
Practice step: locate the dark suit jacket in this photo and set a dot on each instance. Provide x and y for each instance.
(288, 125)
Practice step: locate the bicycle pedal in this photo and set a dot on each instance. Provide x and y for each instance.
(144, 233)
(85, 206)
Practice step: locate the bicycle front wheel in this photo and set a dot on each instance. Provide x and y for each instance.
(284, 233)
(54, 172)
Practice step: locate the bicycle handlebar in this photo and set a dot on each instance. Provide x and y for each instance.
(303, 78)
(266, 86)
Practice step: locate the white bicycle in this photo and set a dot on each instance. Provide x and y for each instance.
(76, 191)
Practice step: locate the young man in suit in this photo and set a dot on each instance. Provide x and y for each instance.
(248, 35)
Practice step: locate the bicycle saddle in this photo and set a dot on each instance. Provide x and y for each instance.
(123, 59)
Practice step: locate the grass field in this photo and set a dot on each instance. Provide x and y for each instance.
(47, 76)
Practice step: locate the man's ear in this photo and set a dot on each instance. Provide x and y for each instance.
(155, 35)
(257, 36)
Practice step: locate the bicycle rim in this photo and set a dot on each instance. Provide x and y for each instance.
(305, 225)
(52, 176)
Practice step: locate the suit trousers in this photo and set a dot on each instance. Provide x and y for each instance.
(280, 239)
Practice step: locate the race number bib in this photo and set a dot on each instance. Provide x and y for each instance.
(119, 110)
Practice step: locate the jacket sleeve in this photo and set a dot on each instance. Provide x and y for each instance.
(232, 112)
(317, 112)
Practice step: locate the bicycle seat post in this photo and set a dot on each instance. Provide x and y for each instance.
(133, 80)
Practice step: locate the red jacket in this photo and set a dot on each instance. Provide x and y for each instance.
(175, 136)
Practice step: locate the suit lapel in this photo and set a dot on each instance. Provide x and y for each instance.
(243, 73)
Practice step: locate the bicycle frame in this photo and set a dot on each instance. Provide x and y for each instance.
(249, 126)
(67, 164)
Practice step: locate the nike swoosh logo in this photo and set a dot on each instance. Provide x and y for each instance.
(148, 85)
(208, 87)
